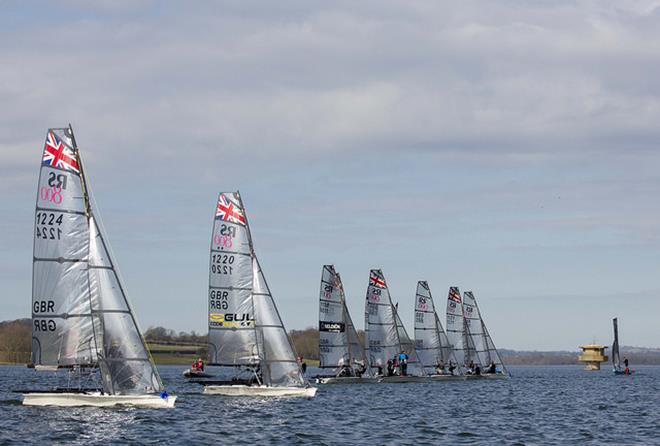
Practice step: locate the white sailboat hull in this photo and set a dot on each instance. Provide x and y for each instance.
(96, 399)
(403, 379)
(243, 390)
(346, 380)
(447, 378)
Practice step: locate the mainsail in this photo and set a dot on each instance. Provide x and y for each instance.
(245, 327)
(385, 335)
(485, 350)
(431, 341)
(456, 325)
(339, 344)
(80, 312)
(616, 359)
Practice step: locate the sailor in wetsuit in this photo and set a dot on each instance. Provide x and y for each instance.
(403, 362)
(492, 368)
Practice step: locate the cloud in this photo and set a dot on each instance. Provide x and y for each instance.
(466, 137)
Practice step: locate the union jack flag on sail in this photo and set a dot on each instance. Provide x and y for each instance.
(227, 210)
(454, 294)
(56, 154)
(376, 280)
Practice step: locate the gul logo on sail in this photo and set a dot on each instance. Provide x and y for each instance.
(231, 320)
(56, 154)
(228, 210)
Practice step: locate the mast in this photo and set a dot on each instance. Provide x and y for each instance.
(88, 213)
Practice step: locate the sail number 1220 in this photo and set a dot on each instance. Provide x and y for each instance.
(222, 264)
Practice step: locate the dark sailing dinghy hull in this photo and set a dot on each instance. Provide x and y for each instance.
(447, 377)
(403, 379)
(191, 374)
(345, 380)
(244, 390)
(95, 399)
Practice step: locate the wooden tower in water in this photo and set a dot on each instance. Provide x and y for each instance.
(592, 355)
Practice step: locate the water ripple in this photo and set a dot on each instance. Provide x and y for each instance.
(539, 405)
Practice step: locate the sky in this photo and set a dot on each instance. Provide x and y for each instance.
(509, 148)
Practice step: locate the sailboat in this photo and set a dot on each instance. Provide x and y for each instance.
(616, 357)
(485, 354)
(340, 349)
(246, 333)
(431, 342)
(385, 335)
(81, 319)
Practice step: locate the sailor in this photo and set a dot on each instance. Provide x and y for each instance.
(303, 365)
(379, 367)
(452, 367)
(403, 361)
(343, 368)
(477, 370)
(390, 368)
(395, 366)
(360, 369)
(199, 365)
(470, 368)
(440, 367)
(625, 363)
(492, 368)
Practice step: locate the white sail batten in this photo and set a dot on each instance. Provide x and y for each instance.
(431, 341)
(81, 314)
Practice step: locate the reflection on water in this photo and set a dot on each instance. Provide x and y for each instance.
(548, 405)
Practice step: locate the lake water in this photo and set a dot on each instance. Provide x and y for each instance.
(538, 405)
